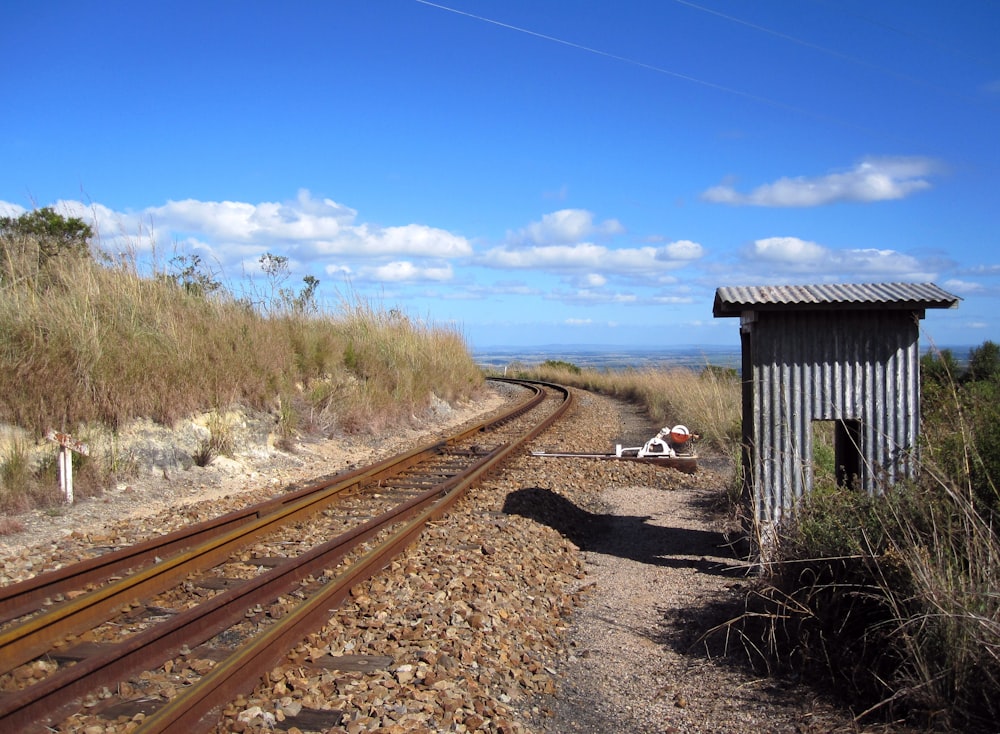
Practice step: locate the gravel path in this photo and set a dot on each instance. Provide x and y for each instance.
(560, 596)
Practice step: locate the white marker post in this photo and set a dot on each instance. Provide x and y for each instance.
(67, 445)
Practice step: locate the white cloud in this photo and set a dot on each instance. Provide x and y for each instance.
(419, 239)
(304, 219)
(584, 256)
(578, 322)
(962, 286)
(680, 250)
(672, 300)
(404, 271)
(591, 297)
(788, 249)
(779, 256)
(11, 210)
(874, 179)
(235, 234)
(985, 270)
(879, 261)
(564, 227)
(592, 280)
(338, 270)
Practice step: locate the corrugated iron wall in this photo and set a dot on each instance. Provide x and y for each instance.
(835, 365)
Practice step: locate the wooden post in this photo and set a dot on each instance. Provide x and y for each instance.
(67, 445)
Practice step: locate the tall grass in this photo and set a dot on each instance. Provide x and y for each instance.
(894, 598)
(84, 342)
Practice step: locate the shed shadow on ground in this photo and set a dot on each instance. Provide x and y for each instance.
(624, 536)
(700, 630)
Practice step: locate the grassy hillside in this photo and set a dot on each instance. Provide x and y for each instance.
(90, 340)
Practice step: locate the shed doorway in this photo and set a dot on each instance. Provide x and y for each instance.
(836, 449)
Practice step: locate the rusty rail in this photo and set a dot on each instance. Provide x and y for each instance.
(51, 699)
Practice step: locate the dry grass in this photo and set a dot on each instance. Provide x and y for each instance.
(892, 597)
(99, 343)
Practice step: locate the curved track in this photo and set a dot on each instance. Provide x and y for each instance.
(140, 606)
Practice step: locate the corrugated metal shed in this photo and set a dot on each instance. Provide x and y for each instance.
(843, 354)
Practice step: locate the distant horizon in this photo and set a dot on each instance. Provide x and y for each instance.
(608, 356)
(682, 348)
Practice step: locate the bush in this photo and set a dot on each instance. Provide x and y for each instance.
(45, 233)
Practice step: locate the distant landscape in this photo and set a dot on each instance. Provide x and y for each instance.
(610, 357)
(616, 357)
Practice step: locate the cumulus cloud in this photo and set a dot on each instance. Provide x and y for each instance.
(785, 255)
(306, 229)
(564, 227)
(304, 219)
(680, 250)
(592, 280)
(873, 179)
(672, 300)
(985, 270)
(962, 286)
(787, 249)
(11, 210)
(591, 297)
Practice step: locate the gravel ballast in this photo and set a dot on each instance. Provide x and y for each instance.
(561, 595)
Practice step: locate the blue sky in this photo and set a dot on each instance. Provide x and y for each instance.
(531, 171)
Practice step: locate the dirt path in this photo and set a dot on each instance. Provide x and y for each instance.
(662, 573)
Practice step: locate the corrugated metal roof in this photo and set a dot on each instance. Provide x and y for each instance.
(733, 300)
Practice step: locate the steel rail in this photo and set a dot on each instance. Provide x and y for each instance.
(45, 700)
(195, 709)
(50, 700)
(25, 641)
(28, 596)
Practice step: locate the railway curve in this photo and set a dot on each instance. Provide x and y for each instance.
(372, 513)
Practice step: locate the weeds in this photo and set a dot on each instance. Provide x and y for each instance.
(17, 482)
(10, 526)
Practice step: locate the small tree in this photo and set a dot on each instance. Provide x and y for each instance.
(984, 362)
(280, 298)
(191, 274)
(56, 235)
(939, 368)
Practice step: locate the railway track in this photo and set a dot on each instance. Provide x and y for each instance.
(264, 577)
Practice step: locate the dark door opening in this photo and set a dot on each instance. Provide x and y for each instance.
(837, 453)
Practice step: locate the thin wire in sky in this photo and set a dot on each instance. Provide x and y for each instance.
(653, 68)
